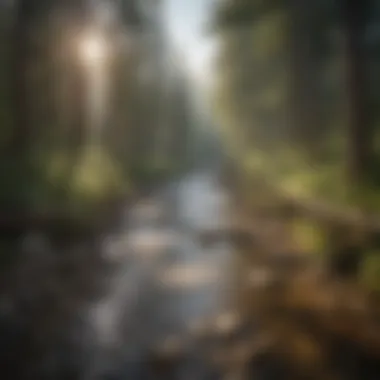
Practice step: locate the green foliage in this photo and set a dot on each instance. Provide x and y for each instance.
(242, 13)
(95, 177)
(370, 271)
(63, 167)
(280, 99)
(16, 188)
(292, 103)
(310, 237)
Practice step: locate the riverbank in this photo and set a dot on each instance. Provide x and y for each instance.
(319, 324)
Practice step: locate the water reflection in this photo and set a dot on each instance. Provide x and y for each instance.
(166, 282)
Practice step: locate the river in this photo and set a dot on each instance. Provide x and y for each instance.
(167, 285)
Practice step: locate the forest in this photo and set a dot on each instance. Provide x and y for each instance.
(61, 150)
(297, 101)
(145, 237)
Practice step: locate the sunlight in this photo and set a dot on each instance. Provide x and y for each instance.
(185, 23)
(93, 52)
(93, 49)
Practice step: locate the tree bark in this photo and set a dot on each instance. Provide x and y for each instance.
(305, 117)
(359, 129)
(21, 58)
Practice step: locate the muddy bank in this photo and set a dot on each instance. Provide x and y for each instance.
(320, 326)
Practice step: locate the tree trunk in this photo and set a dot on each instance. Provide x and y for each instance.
(359, 128)
(22, 133)
(304, 109)
(18, 151)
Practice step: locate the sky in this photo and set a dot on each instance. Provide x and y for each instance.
(186, 21)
